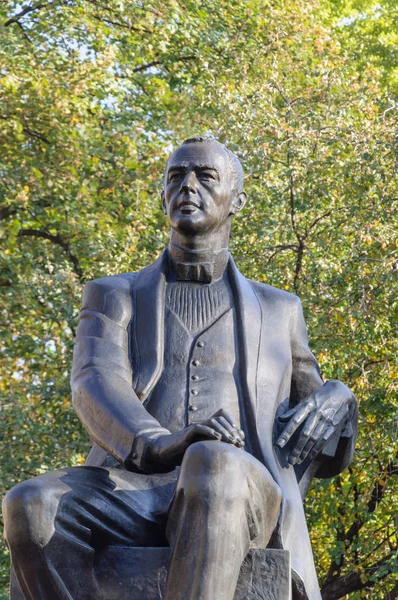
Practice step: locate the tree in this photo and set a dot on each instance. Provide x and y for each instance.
(94, 96)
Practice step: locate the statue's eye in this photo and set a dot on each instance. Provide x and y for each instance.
(206, 176)
(174, 176)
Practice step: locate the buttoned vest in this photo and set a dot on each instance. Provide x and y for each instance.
(200, 374)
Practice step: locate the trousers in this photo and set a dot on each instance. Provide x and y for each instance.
(215, 507)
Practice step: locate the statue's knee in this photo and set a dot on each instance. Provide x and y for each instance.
(212, 457)
(25, 510)
(213, 470)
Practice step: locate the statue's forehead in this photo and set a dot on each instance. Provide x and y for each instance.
(199, 155)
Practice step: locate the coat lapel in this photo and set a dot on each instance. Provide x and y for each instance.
(148, 326)
(249, 322)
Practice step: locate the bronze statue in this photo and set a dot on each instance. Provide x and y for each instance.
(206, 407)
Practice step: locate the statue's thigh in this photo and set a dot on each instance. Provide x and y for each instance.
(102, 506)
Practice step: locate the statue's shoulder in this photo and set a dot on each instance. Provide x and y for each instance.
(275, 296)
(110, 296)
(112, 283)
(121, 285)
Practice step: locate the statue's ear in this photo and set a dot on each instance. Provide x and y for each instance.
(238, 203)
(163, 202)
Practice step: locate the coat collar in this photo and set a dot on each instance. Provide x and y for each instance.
(148, 323)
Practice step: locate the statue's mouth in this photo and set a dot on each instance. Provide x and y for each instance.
(188, 206)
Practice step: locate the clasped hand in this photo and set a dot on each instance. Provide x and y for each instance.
(169, 449)
(322, 413)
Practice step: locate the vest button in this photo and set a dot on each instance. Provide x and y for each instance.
(195, 363)
(201, 344)
(193, 408)
(194, 392)
(195, 377)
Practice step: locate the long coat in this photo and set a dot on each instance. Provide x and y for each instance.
(118, 359)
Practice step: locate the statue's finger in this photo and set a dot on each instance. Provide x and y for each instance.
(303, 439)
(227, 415)
(321, 443)
(226, 435)
(293, 425)
(315, 439)
(340, 414)
(288, 415)
(232, 430)
(203, 432)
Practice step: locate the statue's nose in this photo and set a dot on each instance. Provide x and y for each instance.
(188, 184)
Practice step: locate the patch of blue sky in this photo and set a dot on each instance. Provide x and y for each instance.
(347, 21)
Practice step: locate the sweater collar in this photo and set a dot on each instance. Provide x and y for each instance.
(202, 266)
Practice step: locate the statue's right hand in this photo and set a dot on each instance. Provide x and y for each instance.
(169, 449)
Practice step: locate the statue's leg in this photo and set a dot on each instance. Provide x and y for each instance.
(55, 523)
(226, 502)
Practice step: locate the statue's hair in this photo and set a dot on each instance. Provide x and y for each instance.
(234, 162)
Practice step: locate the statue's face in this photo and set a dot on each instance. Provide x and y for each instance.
(198, 194)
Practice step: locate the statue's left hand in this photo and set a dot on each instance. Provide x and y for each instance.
(322, 413)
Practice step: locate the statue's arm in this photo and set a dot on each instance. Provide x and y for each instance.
(102, 391)
(325, 414)
(306, 376)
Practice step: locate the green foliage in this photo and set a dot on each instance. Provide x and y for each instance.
(93, 97)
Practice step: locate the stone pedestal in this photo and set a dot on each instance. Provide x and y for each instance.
(141, 574)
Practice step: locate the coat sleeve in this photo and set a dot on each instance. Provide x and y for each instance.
(306, 379)
(102, 391)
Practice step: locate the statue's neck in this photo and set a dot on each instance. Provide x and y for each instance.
(198, 259)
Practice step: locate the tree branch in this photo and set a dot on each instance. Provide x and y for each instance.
(392, 594)
(34, 134)
(299, 264)
(6, 211)
(58, 240)
(348, 537)
(156, 63)
(353, 582)
(337, 564)
(281, 248)
(300, 238)
(281, 92)
(27, 130)
(25, 11)
(27, 38)
(122, 25)
(376, 496)
(316, 221)
(292, 208)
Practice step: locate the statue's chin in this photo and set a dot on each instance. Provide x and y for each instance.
(188, 225)
(200, 224)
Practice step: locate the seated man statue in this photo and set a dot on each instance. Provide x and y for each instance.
(206, 407)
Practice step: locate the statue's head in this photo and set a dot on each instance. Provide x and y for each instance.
(203, 187)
